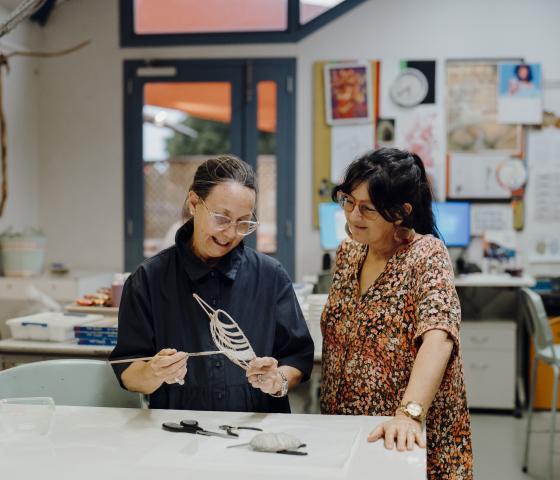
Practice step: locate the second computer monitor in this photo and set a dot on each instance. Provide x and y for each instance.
(453, 220)
(331, 222)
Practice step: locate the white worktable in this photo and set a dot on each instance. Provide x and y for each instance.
(112, 443)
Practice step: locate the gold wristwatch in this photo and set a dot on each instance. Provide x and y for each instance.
(284, 388)
(413, 410)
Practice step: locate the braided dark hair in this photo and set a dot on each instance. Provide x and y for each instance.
(394, 177)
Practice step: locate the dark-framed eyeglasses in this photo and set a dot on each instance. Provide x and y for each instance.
(223, 222)
(348, 203)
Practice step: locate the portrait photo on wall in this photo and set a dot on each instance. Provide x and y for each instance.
(520, 93)
(385, 132)
(348, 93)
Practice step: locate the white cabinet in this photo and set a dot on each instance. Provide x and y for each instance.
(16, 293)
(489, 357)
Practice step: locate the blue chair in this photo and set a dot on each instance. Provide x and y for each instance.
(88, 383)
(545, 351)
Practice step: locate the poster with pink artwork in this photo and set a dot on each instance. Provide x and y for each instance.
(420, 130)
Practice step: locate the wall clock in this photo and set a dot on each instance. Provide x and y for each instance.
(409, 88)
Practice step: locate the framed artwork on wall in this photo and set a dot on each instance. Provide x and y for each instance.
(348, 93)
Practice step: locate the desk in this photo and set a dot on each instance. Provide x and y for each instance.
(23, 351)
(494, 297)
(493, 280)
(112, 443)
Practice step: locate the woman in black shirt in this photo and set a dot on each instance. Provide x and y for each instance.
(159, 317)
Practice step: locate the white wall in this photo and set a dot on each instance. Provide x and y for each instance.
(21, 102)
(81, 102)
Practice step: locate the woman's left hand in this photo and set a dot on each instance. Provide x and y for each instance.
(263, 374)
(405, 430)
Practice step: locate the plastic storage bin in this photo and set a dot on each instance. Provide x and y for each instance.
(50, 326)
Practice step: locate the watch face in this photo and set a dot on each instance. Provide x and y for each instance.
(410, 88)
(415, 409)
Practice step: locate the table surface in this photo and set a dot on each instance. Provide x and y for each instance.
(11, 345)
(493, 280)
(107, 443)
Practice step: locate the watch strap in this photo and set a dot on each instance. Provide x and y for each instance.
(284, 388)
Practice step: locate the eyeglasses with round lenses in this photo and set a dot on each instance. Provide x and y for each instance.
(348, 203)
(223, 222)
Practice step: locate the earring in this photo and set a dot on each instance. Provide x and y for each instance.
(404, 235)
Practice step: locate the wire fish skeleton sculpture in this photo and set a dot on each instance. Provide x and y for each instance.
(227, 336)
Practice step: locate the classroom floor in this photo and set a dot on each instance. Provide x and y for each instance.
(498, 442)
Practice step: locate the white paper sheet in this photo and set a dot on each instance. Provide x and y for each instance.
(543, 149)
(527, 111)
(489, 216)
(348, 142)
(543, 201)
(474, 176)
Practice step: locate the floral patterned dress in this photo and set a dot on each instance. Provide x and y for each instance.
(370, 342)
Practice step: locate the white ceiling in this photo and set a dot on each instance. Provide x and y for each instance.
(10, 4)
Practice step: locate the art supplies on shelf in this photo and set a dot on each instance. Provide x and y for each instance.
(101, 332)
(49, 326)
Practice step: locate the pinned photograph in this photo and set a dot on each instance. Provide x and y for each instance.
(520, 93)
(348, 93)
(385, 132)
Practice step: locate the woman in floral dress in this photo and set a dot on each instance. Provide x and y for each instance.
(391, 324)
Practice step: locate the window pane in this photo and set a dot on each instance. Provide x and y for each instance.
(266, 167)
(209, 16)
(184, 124)
(310, 9)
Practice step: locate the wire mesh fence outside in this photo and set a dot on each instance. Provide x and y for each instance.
(166, 184)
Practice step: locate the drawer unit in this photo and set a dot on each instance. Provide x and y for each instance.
(13, 288)
(490, 379)
(494, 335)
(489, 359)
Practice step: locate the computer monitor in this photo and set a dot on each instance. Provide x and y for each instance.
(331, 225)
(453, 220)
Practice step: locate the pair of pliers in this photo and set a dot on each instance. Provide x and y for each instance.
(230, 429)
(192, 426)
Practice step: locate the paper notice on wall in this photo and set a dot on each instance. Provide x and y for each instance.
(544, 248)
(543, 200)
(473, 176)
(490, 217)
(543, 149)
(520, 93)
(348, 142)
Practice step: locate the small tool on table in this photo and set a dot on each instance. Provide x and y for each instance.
(192, 426)
(230, 429)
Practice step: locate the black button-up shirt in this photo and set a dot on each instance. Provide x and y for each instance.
(158, 311)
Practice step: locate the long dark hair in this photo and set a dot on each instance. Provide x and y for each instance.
(394, 177)
(216, 170)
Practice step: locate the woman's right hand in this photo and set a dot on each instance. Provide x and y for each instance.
(169, 365)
